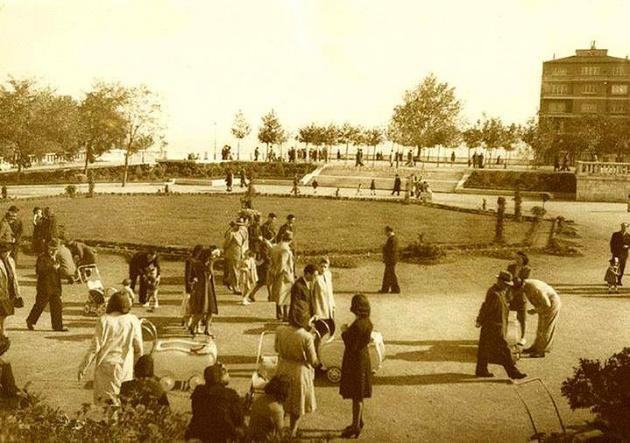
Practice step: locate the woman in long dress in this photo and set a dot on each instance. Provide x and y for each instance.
(297, 359)
(203, 295)
(116, 346)
(233, 253)
(281, 275)
(356, 370)
(547, 305)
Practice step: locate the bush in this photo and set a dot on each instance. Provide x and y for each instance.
(523, 180)
(41, 422)
(604, 388)
(71, 191)
(420, 251)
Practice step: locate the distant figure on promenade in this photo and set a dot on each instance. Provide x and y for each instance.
(256, 153)
(390, 258)
(243, 177)
(547, 304)
(474, 160)
(556, 162)
(565, 162)
(452, 158)
(619, 244)
(229, 180)
(397, 185)
(493, 320)
(373, 187)
(295, 190)
(315, 184)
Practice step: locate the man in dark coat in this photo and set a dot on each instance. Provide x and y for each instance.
(17, 228)
(390, 258)
(137, 266)
(397, 185)
(82, 253)
(229, 179)
(217, 411)
(301, 289)
(289, 226)
(268, 228)
(619, 244)
(493, 319)
(49, 228)
(48, 289)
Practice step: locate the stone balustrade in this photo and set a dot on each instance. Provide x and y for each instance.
(602, 168)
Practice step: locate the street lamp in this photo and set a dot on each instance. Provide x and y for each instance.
(215, 140)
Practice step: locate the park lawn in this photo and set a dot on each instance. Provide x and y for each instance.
(322, 224)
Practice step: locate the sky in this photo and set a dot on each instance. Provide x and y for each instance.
(318, 60)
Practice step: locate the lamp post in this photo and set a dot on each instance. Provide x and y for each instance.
(215, 140)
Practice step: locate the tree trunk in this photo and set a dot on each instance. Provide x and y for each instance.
(238, 149)
(124, 180)
(87, 161)
(346, 159)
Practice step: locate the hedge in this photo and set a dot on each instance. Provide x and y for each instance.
(158, 172)
(563, 182)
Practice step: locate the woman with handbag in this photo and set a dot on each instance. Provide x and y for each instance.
(9, 290)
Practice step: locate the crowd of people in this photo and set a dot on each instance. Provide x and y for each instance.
(257, 255)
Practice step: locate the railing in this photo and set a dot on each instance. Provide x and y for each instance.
(602, 168)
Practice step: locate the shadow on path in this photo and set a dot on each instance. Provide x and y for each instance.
(433, 379)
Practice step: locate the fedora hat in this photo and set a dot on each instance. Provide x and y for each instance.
(506, 278)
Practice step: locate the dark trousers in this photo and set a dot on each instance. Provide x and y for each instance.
(390, 281)
(622, 266)
(493, 349)
(134, 276)
(14, 252)
(41, 300)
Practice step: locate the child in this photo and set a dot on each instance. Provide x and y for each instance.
(612, 274)
(249, 276)
(315, 185)
(359, 189)
(337, 192)
(373, 187)
(126, 289)
(152, 280)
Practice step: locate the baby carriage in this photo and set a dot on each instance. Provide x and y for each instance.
(329, 352)
(179, 361)
(97, 294)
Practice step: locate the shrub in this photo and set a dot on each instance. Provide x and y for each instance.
(523, 180)
(71, 191)
(420, 251)
(40, 422)
(604, 388)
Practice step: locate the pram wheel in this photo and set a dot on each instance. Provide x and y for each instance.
(334, 374)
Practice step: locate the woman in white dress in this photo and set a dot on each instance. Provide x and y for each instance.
(116, 346)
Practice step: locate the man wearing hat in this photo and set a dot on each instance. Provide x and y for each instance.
(48, 289)
(492, 320)
(619, 244)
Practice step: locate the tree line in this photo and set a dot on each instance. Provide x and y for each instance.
(36, 120)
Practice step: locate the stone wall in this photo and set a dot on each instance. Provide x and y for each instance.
(604, 188)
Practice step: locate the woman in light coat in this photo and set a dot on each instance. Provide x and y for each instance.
(9, 288)
(323, 299)
(116, 346)
(547, 305)
(281, 275)
(233, 245)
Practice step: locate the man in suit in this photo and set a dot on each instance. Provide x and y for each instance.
(137, 266)
(397, 185)
(619, 244)
(390, 258)
(48, 289)
(302, 289)
(289, 226)
(268, 228)
(493, 319)
(50, 230)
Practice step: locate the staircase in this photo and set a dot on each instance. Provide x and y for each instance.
(442, 179)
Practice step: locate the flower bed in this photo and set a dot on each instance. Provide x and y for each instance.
(560, 182)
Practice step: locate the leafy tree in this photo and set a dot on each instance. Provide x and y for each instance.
(34, 121)
(428, 115)
(307, 135)
(473, 137)
(270, 131)
(240, 130)
(346, 134)
(373, 137)
(102, 124)
(142, 125)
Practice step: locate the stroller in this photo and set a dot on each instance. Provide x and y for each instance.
(179, 361)
(97, 294)
(329, 352)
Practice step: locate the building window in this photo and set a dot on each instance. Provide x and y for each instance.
(588, 107)
(557, 107)
(619, 90)
(559, 71)
(590, 70)
(618, 70)
(559, 89)
(618, 109)
(589, 89)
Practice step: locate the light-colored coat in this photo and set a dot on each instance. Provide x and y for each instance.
(547, 304)
(116, 345)
(323, 299)
(281, 274)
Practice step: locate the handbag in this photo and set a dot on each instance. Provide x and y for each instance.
(18, 302)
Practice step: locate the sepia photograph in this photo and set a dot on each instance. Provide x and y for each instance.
(314, 221)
